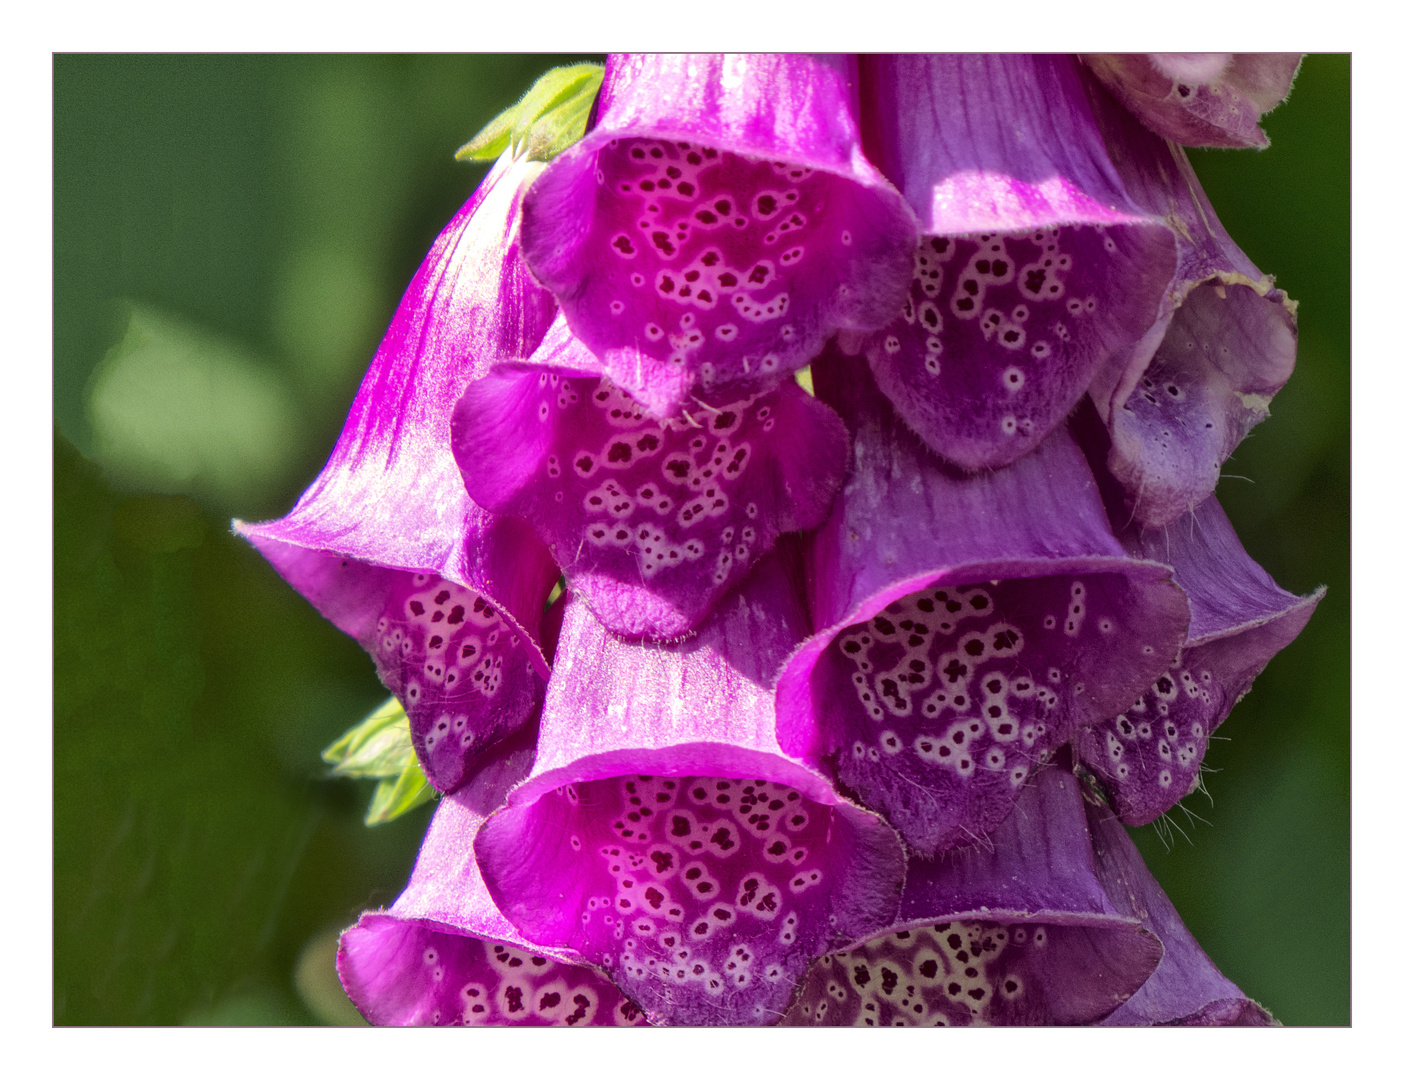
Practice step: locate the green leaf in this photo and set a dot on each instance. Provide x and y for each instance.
(550, 117)
(379, 746)
(399, 796)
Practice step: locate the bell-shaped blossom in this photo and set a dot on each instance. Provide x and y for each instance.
(651, 520)
(1185, 988)
(443, 955)
(446, 597)
(1018, 932)
(1199, 99)
(969, 625)
(662, 835)
(1035, 264)
(718, 224)
(1178, 401)
(1149, 756)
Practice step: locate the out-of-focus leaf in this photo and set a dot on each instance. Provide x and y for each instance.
(550, 117)
(400, 795)
(379, 746)
(178, 409)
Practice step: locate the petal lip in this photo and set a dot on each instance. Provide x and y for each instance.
(779, 108)
(388, 513)
(885, 538)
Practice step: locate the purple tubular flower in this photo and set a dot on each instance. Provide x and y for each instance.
(446, 597)
(652, 521)
(969, 624)
(444, 955)
(663, 836)
(1020, 932)
(718, 224)
(1186, 988)
(1149, 755)
(1035, 265)
(1199, 99)
(1178, 401)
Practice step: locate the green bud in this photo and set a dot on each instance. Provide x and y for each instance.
(550, 117)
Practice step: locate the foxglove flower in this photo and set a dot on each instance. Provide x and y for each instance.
(1018, 932)
(1178, 401)
(386, 544)
(799, 630)
(718, 224)
(663, 837)
(968, 625)
(651, 520)
(1199, 99)
(444, 955)
(1036, 264)
(1149, 755)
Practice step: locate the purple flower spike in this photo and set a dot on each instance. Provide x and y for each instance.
(1017, 933)
(387, 545)
(664, 837)
(1035, 264)
(969, 624)
(718, 225)
(652, 521)
(444, 955)
(1186, 989)
(1199, 99)
(1178, 401)
(1150, 755)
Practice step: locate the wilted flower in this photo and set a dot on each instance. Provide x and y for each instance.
(1199, 99)
(850, 688)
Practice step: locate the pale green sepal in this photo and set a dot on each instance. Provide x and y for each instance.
(378, 746)
(400, 795)
(550, 117)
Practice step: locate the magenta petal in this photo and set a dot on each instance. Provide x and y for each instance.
(1036, 265)
(718, 224)
(444, 955)
(1199, 99)
(665, 838)
(386, 543)
(969, 624)
(1149, 755)
(1186, 989)
(1020, 932)
(651, 521)
(1178, 401)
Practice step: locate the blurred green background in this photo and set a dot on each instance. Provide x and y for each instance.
(231, 235)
